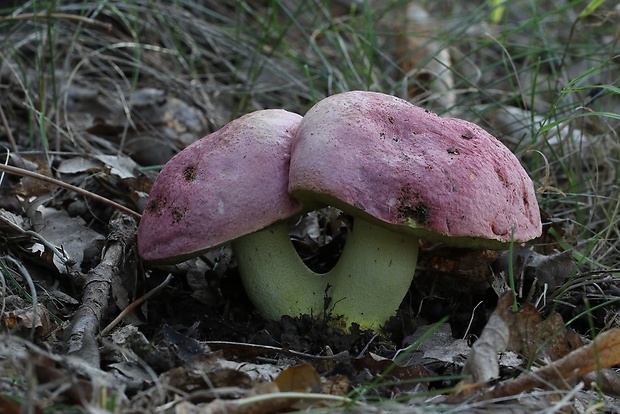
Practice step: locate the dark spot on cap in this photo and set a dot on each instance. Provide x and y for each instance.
(501, 177)
(189, 173)
(411, 207)
(453, 151)
(152, 205)
(155, 205)
(466, 136)
(419, 213)
(177, 215)
(390, 119)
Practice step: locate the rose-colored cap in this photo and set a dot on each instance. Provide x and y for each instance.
(441, 179)
(228, 184)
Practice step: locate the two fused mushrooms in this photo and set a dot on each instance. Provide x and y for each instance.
(401, 172)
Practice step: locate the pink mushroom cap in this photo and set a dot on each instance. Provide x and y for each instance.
(228, 184)
(442, 179)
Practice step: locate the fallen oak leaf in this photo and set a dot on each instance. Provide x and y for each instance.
(603, 352)
(55, 378)
(119, 165)
(525, 332)
(13, 224)
(536, 275)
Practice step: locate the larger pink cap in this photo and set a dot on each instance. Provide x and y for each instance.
(438, 178)
(228, 184)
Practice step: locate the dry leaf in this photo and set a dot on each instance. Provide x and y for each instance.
(535, 337)
(11, 223)
(482, 363)
(525, 331)
(336, 385)
(205, 373)
(299, 378)
(31, 187)
(602, 352)
(23, 320)
(69, 233)
(437, 349)
(120, 165)
(536, 275)
(78, 165)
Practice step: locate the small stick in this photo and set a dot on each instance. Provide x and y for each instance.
(134, 304)
(25, 173)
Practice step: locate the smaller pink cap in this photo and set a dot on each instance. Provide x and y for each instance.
(441, 179)
(226, 185)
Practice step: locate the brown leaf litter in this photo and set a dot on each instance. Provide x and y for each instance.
(565, 358)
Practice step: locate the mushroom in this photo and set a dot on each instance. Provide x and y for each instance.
(402, 173)
(222, 187)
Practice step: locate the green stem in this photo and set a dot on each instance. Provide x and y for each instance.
(366, 286)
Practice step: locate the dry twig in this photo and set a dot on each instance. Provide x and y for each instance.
(87, 319)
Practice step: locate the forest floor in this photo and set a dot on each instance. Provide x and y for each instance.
(95, 97)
